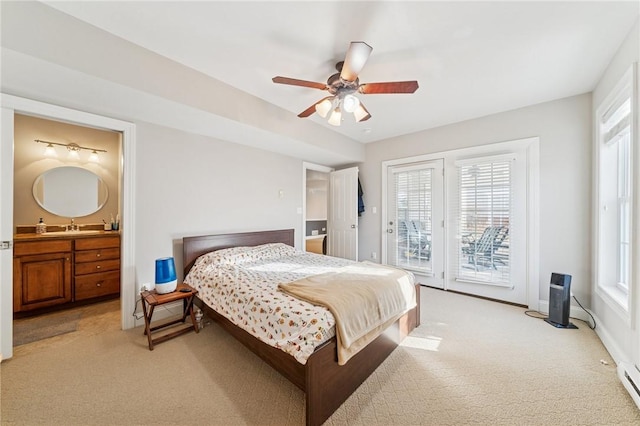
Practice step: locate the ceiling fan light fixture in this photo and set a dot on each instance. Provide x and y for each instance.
(350, 103)
(355, 60)
(336, 117)
(323, 108)
(360, 113)
(345, 85)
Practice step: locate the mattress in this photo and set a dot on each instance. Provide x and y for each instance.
(241, 283)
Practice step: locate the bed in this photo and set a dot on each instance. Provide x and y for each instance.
(326, 384)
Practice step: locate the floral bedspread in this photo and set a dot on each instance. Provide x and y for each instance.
(241, 283)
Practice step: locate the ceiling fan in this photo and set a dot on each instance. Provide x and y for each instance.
(344, 84)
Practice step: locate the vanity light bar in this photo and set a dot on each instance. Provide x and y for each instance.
(71, 146)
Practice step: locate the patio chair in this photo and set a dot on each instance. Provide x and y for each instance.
(414, 238)
(482, 252)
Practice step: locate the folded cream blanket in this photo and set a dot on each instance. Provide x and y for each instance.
(364, 298)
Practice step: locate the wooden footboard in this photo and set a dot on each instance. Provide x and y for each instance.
(326, 384)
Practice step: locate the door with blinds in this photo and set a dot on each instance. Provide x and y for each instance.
(415, 220)
(488, 220)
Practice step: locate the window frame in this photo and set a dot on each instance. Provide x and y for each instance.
(615, 294)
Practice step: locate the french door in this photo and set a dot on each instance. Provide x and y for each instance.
(415, 220)
(488, 218)
(472, 228)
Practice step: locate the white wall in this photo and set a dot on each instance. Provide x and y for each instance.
(72, 69)
(191, 185)
(564, 129)
(618, 336)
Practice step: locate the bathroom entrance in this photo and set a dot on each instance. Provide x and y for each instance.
(13, 107)
(66, 190)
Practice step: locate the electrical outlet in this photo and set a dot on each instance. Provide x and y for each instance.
(374, 255)
(145, 287)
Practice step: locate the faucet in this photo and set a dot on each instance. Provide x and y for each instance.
(72, 226)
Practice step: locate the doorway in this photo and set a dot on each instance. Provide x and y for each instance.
(487, 215)
(316, 207)
(12, 105)
(330, 201)
(63, 173)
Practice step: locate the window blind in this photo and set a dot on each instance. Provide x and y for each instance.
(484, 207)
(617, 124)
(413, 212)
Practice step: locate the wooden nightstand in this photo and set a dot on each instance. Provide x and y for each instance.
(153, 299)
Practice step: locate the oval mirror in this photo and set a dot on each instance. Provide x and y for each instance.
(70, 191)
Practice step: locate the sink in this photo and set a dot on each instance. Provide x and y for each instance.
(87, 232)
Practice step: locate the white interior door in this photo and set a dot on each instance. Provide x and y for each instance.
(415, 220)
(6, 234)
(342, 217)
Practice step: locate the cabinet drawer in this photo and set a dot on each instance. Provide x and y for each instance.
(96, 285)
(98, 254)
(98, 242)
(41, 247)
(99, 266)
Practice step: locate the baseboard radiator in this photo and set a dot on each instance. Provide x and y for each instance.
(629, 375)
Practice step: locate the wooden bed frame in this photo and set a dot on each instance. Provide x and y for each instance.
(326, 384)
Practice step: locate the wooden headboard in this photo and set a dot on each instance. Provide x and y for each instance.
(194, 247)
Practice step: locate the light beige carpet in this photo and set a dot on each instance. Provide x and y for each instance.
(471, 362)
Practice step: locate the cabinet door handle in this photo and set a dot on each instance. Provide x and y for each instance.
(98, 267)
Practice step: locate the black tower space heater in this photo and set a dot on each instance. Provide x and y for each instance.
(560, 301)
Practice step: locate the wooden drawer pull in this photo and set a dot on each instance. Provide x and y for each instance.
(97, 266)
(99, 283)
(97, 254)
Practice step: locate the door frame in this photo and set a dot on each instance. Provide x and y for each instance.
(14, 104)
(532, 254)
(319, 168)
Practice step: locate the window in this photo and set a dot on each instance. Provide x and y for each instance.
(484, 219)
(614, 207)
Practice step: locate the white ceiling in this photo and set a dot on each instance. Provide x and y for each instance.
(470, 58)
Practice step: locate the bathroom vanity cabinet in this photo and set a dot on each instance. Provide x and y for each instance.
(62, 271)
(96, 267)
(41, 274)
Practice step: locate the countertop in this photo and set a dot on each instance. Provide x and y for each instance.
(63, 235)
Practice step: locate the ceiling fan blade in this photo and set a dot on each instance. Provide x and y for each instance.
(354, 60)
(307, 112)
(388, 87)
(296, 82)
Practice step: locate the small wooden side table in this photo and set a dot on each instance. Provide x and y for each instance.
(153, 299)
